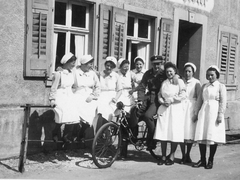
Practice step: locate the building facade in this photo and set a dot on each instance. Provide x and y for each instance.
(35, 34)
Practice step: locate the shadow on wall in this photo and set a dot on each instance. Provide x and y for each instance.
(40, 128)
(40, 132)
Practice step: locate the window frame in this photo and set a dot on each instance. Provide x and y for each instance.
(87, 32)
(154, 19)
(135, 32)
(69, 29)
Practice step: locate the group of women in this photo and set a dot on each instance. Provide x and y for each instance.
(78, 93)
(190, 114)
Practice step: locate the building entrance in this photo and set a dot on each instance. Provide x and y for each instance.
(189, 45)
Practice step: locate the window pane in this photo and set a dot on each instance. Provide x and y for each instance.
(142, 28)
(72, 44)
(130, 28)
(79, 16)
(60, 48)
(60, 13)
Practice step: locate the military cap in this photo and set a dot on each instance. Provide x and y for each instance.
(156, 58)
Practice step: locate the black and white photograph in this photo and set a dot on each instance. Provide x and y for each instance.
(120, 89)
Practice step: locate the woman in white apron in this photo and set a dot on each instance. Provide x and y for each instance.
(193, 88)
(137, 74)
(111, 89)
(126, 78)
(210, 128)
(62, 98)
(86, 89)
(170, 122)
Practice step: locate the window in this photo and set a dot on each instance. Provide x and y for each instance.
(55, 27)
(71, 30)
(228, 55)
(138, 37)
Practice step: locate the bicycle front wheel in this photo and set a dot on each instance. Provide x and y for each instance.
(106, 145)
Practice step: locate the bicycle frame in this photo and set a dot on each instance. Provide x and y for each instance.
(122, 121)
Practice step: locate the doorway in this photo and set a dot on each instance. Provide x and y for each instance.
(189, 45)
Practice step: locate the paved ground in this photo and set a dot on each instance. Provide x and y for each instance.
(140, 165)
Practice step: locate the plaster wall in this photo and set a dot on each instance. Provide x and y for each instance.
(16, 91)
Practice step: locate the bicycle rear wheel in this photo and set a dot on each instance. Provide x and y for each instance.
(106, 145)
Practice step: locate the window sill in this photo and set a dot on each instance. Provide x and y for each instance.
(231, 87)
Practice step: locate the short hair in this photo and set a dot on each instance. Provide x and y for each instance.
(72, 59)
(215, 70)
(170, 65)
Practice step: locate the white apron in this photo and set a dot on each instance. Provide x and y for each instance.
(66, 110)
(207, 131)
(105, 105)
(170, 120)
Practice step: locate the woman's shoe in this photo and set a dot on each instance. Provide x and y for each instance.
(200, 163)
(161, 162)
(209, 165)
(169, 162)
(183, 160)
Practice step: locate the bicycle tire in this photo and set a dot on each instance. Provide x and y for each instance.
(106, 145)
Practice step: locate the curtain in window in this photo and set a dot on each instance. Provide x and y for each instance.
(55, 39)
(80, 47)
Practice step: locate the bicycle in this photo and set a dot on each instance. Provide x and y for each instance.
(107, 142)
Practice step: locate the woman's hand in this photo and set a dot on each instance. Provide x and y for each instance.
(219, 118)
(167, 102)
(175, 79)
(59, 68)
(52, 103)
(89, 99)
(131, 92)
(194, 118)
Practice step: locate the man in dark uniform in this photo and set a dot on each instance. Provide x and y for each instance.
(148, 95)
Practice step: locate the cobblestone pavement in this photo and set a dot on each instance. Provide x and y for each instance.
(139, 165)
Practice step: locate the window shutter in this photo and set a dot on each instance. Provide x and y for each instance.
(165, 42)
(119, 33)
(224, 46)
(104, 33)
(232, 58)
(39, 29)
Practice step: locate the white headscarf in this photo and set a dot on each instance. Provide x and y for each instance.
(85, 59)
(192, 65)
(66, 57)
(215, 67)
(112, 59)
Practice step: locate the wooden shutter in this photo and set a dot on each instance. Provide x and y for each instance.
(228, 56)
(165, 42)
(119, 33)
(232, 58)
(224, 56)
(39, 29)
(104, 34)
